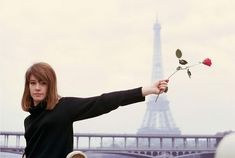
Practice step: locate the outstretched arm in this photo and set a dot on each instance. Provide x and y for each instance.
(156, 88)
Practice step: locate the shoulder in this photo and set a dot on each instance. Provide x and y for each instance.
(27, 118)
(63, 100)
(66, 101)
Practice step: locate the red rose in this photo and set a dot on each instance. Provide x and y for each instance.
(207, 62)
(183, 66)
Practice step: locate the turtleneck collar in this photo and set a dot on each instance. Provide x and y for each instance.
(38, 108)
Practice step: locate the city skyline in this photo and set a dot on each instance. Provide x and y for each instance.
(113, 44)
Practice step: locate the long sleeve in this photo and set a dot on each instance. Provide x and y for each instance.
(83, 108)
(44, 127)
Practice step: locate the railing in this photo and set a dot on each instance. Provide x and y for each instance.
(161, 142)
(136, 143)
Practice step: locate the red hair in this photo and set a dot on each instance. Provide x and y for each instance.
(43, 72)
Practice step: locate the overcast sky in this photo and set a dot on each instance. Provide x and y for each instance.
(107, 45)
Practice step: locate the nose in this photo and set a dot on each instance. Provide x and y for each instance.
(37, 86)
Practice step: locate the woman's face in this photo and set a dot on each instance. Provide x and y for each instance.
(38, 89)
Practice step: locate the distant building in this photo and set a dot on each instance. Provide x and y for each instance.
(158, 118)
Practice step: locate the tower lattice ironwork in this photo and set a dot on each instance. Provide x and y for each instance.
(158, 118)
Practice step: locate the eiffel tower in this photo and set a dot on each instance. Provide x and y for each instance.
(158, 118)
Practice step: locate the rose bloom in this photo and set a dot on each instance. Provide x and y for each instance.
(207, 62)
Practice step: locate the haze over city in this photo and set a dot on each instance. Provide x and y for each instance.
(107, 45)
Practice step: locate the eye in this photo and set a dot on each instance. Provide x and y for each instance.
(32, 82)
(43, 82)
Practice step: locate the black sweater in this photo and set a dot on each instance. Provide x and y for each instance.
(49, 133)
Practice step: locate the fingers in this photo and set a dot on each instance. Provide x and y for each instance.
(164, 81)
(163, 86)
(163, 89)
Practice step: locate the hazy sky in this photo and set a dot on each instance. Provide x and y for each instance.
(107, 45)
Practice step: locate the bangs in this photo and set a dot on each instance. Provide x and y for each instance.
(37, 72)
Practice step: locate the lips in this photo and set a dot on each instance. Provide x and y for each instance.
(38, 94)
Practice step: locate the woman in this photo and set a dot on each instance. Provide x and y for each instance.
(49, 127)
